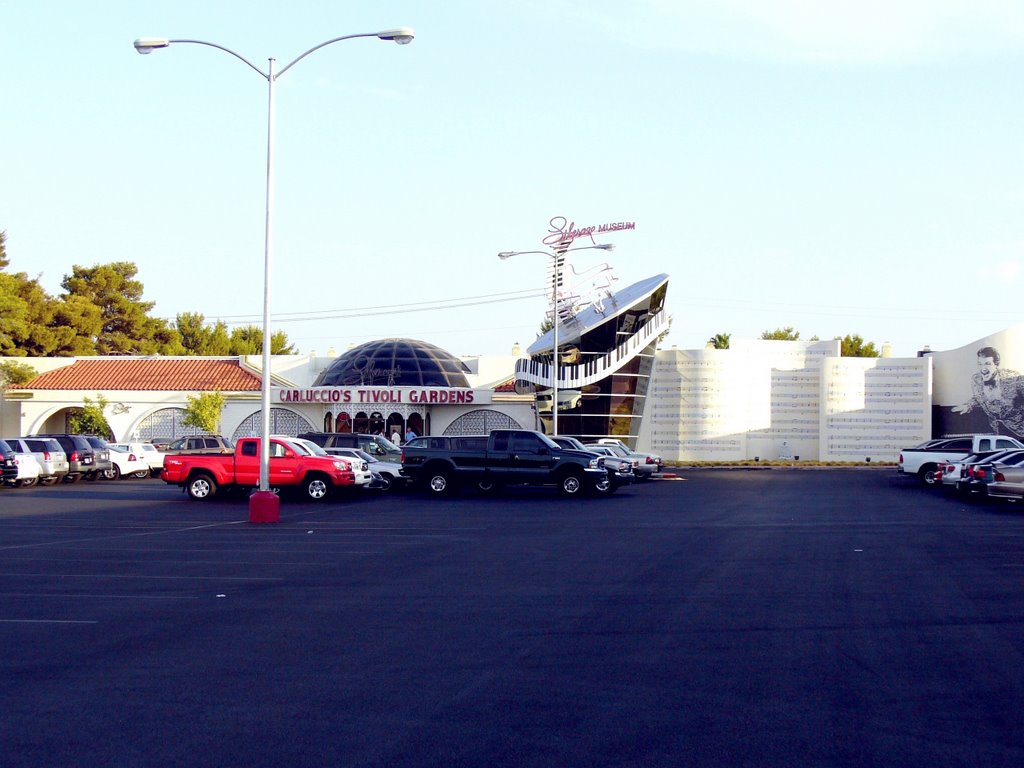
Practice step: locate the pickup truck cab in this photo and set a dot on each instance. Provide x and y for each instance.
(203, 475)
(923, 461)
(504, 457)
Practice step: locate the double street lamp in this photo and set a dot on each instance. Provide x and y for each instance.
(264, 504)
(556, 257)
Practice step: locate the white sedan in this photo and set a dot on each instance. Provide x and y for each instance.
(148, 452)
(125, 464)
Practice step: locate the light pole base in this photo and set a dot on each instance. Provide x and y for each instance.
(264, 507)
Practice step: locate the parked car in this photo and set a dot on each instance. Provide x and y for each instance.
(641, 469)
(957, 473)
(103, 462)
(981, 473)
(620, 468)
(53, 462)
(145, 451)
(389, 473)
(26, 468)
(80, 453)
(1007, 481)
(200, 444)
(360, 468)
(650, 459)
(125, 464)
(375, 445)
(9, 469)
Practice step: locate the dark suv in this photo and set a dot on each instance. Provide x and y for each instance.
(81, 456)
(8, 469)
(375, 445)
(103, 462)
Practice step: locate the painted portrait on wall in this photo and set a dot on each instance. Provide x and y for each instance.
(979, 388)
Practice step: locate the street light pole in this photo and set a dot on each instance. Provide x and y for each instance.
(264, 504)
(556, 256)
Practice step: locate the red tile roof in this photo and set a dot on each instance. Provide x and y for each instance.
(507, 386)
(197, 374)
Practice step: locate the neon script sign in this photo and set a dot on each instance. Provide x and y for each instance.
(561, 231)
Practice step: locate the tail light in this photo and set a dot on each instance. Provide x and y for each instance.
(998, 476)
(46, 455)
(131, 457)
(648, 460)
(901, 458)
(73, 456)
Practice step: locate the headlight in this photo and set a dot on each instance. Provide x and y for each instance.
(595, 463)
(342, 465)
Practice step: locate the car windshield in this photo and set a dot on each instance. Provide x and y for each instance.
(311, 447)
(366, 457)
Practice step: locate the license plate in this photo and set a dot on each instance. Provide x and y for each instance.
(87, 460)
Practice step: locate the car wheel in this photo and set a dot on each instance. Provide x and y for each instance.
(604, 486)
(927, 475)
(92, 477)
(386, 482)
(316, 489)
(201, 487)
(28, 482)
(142, 474)
(439, 483)
(49, 480)
(572, 484)
(112, 474)
(72, 479)
(487, 486)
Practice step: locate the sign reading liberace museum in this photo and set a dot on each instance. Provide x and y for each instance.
(370, 396)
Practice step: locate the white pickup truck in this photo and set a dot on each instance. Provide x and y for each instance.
(922, 460)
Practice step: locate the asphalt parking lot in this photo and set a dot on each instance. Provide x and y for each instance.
(728, 618)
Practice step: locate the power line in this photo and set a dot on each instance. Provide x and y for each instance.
(385, 309)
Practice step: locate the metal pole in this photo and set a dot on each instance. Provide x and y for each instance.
(554, 387)
(268, 233)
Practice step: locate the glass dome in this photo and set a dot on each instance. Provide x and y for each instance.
(395, 363)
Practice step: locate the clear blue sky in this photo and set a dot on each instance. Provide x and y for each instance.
(839, 167)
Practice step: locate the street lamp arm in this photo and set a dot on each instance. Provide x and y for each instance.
(238, 56)
(400, 36)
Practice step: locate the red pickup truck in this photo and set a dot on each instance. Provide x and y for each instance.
(203, 474)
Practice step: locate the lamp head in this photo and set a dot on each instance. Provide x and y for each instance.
(402, 35)
(146, 45)
(606, 246)
(506, 255)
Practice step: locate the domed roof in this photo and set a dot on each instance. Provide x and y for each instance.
(395, 363)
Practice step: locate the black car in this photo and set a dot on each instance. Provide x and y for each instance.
(103, 462)
(81, 456)
(7, 465)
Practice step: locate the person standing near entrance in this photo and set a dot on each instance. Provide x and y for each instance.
(409, 435)
(396, 436)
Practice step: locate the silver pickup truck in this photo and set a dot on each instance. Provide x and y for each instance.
(924, 459)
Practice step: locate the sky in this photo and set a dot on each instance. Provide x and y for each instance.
(835, 167)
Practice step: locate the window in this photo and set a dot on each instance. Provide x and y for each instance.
(249, 448)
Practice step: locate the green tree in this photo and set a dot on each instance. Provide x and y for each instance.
(126, 327)
(781, 334)
(854, 346)
(203, 411)
(248, 340)
(89, 419)
(720, 340)
(14, 373)
(198, 338)
(3, 249)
